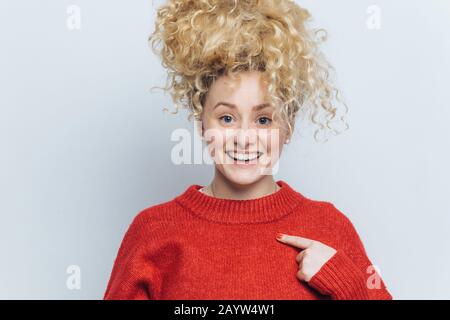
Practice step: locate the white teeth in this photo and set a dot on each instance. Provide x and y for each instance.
(243, 156)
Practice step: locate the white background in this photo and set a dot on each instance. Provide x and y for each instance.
(84, 145)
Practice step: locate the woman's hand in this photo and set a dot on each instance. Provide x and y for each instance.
(313, 256)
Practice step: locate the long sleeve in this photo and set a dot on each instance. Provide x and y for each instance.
(134, 276)
(349, 274)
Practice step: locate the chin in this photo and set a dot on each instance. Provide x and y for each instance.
(242, 176)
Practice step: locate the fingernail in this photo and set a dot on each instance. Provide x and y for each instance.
(280, 236)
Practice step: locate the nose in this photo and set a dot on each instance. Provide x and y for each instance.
(244, 138)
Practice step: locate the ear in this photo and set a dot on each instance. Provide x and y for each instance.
(200, 128)
(288, 136)
(288, 139)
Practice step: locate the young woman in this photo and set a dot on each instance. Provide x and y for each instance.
(244, 69)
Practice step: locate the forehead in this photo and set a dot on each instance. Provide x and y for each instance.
(249, 91)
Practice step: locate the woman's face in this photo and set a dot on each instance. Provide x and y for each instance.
(244, 139)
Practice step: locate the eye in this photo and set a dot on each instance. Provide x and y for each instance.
(227, 119)
(264, 120)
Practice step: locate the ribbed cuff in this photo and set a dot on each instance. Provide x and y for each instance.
(340, 278)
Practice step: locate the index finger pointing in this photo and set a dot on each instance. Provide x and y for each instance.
(296, 241)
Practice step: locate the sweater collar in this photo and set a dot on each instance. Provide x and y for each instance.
(264, 209)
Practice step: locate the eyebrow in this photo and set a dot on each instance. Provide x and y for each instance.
(231, 105)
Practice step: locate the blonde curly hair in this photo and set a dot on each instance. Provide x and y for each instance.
(201, 40)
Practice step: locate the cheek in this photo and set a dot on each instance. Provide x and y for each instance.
(216, 144)
(272, 142)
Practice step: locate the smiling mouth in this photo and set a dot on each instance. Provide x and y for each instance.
(244, 157)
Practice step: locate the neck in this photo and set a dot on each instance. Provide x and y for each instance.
(263, 209)
(223, 188)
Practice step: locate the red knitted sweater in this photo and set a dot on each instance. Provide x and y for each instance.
(200, 247)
